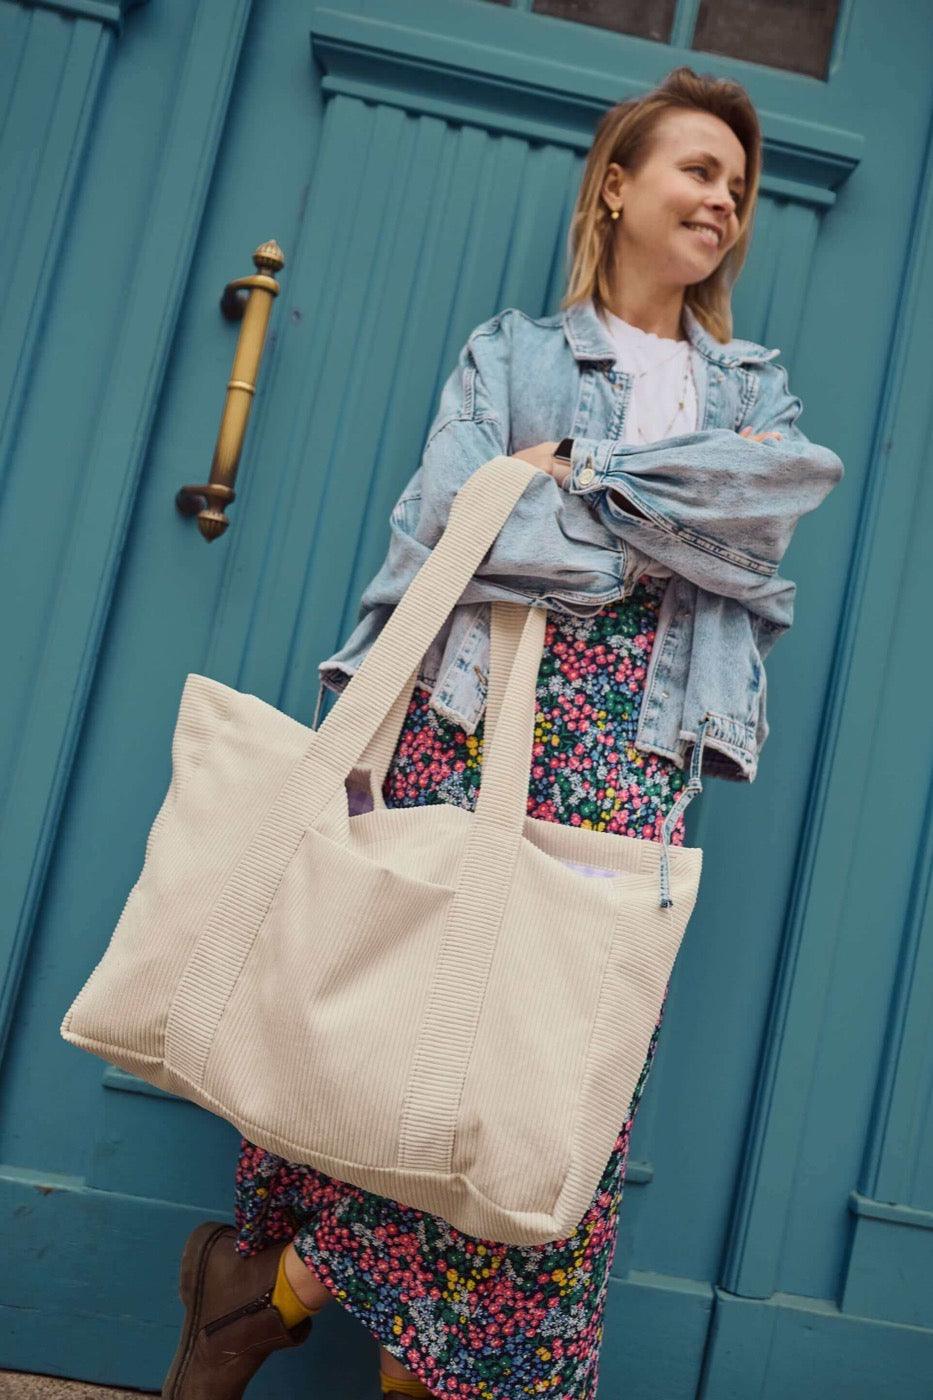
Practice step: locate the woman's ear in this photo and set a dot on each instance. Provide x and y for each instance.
(613, 181)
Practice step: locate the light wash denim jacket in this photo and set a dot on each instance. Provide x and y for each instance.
(717, 509)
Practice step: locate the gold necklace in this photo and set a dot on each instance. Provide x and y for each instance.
(688, 375)
(680, 345)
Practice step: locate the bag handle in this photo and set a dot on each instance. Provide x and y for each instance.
(517, 642)
(378, 755)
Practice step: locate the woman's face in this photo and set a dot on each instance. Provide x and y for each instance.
(694, 174)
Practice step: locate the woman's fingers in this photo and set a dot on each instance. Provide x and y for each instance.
(757, 437)
(541, 455)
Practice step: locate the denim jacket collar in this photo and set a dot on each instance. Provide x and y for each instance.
(589, 340)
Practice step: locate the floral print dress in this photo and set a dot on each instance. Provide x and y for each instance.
(472, 1318)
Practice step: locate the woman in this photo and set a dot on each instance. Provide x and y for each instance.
(662, 599)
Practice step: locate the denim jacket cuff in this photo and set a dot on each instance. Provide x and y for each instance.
(587, 470)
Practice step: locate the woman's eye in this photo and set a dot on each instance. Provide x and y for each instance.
(736, 198)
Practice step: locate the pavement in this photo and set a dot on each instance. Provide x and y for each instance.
(17, 1385)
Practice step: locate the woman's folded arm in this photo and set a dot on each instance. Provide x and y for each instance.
(713, 492)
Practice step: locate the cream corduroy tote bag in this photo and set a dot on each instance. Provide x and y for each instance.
(449, 1008)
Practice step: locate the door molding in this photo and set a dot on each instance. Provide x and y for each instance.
(111, 12)
(423, 67)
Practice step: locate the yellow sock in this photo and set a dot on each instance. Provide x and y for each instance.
(389, 1383)
(285, 1300)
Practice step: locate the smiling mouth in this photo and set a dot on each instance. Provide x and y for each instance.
(708, 235)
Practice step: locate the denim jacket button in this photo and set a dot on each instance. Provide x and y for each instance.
(586, 476)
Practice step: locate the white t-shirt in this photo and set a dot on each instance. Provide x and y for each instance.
(652, 411)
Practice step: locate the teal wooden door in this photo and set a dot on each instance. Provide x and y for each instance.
(417, 161)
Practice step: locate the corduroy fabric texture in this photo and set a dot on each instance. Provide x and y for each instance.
(273, 913)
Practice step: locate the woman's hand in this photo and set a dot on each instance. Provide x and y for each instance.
(757, 437)
(542, 457)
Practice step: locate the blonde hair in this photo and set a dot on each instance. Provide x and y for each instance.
(625, 134)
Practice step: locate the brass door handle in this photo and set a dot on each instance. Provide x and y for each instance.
(208, 501)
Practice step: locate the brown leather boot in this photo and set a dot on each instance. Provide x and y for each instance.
(230, 1326)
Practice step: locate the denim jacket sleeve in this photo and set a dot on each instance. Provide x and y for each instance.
(716, 508)
(551, 541)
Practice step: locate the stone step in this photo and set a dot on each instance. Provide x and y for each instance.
(21, 1385)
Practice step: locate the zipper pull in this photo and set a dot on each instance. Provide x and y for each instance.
(256, 1305)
